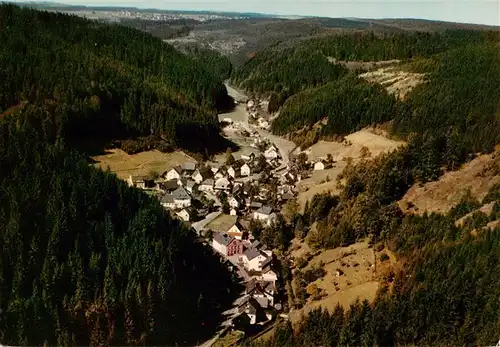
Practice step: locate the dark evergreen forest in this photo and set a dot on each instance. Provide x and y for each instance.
(108, 81)
(86, 260)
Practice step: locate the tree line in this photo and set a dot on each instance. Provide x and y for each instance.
(107, 80)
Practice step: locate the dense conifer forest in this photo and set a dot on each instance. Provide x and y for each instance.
(88, 260)
(445, 296)
(108, 80)
(84, 259)
(213, 61)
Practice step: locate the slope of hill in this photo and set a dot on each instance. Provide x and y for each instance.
(254, 75)
(475, 178)
(107, 81)
(86, 260)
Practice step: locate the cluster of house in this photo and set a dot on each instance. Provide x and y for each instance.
(254, 262)
(254, 108)
(178, 186)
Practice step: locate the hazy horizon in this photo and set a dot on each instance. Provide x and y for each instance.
(475, 12)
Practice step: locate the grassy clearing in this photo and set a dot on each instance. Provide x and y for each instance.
(325, 180)
(477, 176)
(358, 277)
(222, 223)
(123, 164)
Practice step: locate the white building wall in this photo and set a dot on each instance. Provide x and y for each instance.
(173, 175)
(218, 247)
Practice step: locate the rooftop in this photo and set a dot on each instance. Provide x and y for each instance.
(167, 199)
(170, 184)
(223, 238)
(180, 193)
(252, 253)
(265, 210)
(222, 223)
(189, 166)
(208, 182)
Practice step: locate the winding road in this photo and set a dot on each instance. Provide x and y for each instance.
(239, 113)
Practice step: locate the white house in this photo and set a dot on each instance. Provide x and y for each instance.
(220, 242)
(263, 123)
(250, 103)
(319, 165)
(181, 198)
(261, 291)
(137, 181)
(207, 185)
(220, 174)
(264, 214)
(190, 186)
(233, 212)
(167, 201)
(201, 175)
(254, 259)
(222, 184)
(251, 309)
(236, 231)
(188, 168)
(234, 203)
(184, 215)
(270, 276)
(233, 172)
(271, 153)
(174, 173)
(245, 170)
(251, 156)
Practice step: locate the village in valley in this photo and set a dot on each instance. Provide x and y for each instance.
(227, 202)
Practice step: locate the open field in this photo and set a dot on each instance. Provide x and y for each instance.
(477, 176)
(375, 143)
(358, 280)
(123, 164)
(395, 81)
(320, 182)
(222, 223)
(325, 180)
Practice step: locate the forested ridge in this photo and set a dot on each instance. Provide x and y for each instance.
(445, 121)
(275, 69)
(107, 80)
(213, 61)
(460, 95)
(86, 260)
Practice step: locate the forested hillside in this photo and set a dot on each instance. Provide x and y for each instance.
(444, 263)
(461, 98)
(213, 62)
(107, 81)
(292, 67)
(85, 260)
(445, 122)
